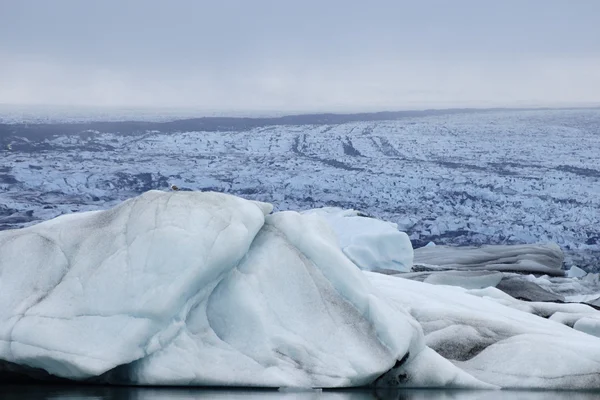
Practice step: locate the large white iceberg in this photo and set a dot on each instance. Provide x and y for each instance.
(187, 288)
(197, 288)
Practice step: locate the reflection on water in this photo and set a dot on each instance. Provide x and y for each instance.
(125, 393)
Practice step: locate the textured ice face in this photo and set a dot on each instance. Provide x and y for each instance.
(528, 258)
(440, 177)
(84, 293)
(294, 312)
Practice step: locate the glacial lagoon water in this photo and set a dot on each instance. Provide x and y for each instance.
(53, 392)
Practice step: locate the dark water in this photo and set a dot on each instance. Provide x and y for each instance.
(8, 392)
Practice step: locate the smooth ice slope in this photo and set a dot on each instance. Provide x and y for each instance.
(286, 316)
(372, 244)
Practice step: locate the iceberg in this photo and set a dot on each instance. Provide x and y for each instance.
(286, 315)
(208, 289)
(189, 288)
(84, 293)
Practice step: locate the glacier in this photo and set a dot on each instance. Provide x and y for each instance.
(461, 177)
(209, 289)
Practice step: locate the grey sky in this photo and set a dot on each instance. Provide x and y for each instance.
(303, 55)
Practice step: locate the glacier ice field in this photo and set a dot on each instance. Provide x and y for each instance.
(458, 177)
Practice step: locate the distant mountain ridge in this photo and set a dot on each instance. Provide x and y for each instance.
(40, 130)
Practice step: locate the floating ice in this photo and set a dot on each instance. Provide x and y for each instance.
(498, 339)
(192, 288)
(188, 288)
(370, 243)
(576, 272)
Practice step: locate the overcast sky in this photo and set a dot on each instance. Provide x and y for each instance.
(302, 55)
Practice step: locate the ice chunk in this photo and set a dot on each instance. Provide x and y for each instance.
(370, 243)
(497, 339)
(588, 325)
(465, 279)
(576, 272)
(540, 259)
(187, 288)
(286, 316)
(573, 289)
(523, 289)
(84, 293)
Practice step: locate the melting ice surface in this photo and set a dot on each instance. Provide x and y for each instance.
(209, 289)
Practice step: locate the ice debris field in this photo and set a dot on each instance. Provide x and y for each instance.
(210, 289)
(454, 177)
